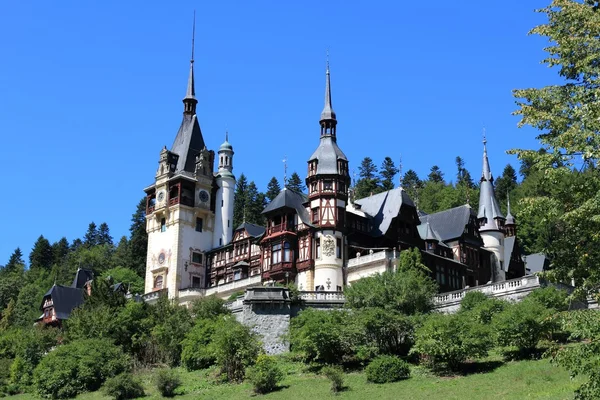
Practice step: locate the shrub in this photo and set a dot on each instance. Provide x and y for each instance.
(172, 323)
(123, 386)
(197, 349)
(520, 327)
(551, 297)
(236, 348)
(326, 337)
(79, 366)
(167, 380)
(472, 299)
(384, 369)
(336, 376)
(389, 332)
(409, 291)
(210, 307)
(483, 312)
(265, 374)
(445, 341)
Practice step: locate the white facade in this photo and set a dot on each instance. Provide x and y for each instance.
(494, 242)
(329, 261)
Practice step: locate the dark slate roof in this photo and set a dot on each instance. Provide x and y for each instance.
(536, 262)
(449, 224)
(290, 199)
(328, 153)
(383, 208)
(488, 205)
(82, 277)
(188, 143)
(65, 299)
(252, 229)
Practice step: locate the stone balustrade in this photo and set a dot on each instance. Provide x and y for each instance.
(369, 259)
(326, 296)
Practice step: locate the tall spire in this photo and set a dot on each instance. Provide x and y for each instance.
(189, 101)
(510, 220)
(328, 121)
(485, 173)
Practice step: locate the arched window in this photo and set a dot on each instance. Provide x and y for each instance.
(287, 252)
(158, 282)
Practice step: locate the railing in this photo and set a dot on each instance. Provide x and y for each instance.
(369, 258)
(174, 201)
(281, 228)
(328, 296)
(231, 286)
(154, 295)
(491, 289)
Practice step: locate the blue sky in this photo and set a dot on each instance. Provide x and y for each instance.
(91, 91)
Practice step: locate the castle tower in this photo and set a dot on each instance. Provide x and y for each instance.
(180, 209)
(224, 196)
(327, 181)
(491, 220)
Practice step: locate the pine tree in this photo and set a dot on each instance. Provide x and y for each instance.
(255, 204)
(41, 254)
(60, 251)
(369, 181)
(239, 202)
(77, 243)
(120, 256)
(463, 177)
(104, 237)
(138, 239)
(273, 189)
(91, 236)
(506, 183)
(388, 172)
(435, 175)
(15, 260)
(412, 184)
(295, 183)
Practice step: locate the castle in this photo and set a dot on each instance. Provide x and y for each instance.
(322, 240)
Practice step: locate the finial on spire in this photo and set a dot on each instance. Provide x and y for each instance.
(486, 174)
(327, 115)
(226, 135)
(193, 36)
(484, 138)
(327, 70)
(284, 170)
(400, 171)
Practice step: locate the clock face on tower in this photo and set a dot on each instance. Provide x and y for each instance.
(203, 196)
(161, 196)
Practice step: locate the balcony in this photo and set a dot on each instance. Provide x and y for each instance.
(373, 258)
(151, 297)
(281, 228)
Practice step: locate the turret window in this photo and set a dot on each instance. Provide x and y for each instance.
(158, 282)
(328, 185)
(315, 215)
(287, 252)
(338, 248)
(199, 224)
(276, 254)
(197, 258)
(163, 225)
(318, 248)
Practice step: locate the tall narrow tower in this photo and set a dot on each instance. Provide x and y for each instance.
(224, 199)
(180, 214)
(327, 181)
(491, 220)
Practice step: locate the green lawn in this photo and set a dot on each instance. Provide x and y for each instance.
(513, 380)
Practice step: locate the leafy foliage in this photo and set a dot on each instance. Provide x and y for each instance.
(123, 386)
(336, 375)
(388, 331)
(236, 348)
(471, 300)
(79, 366)
(197, 348)
(167, 381)
(409, 291)
(446, 341)
(521, 326)
(385, 369)
(265, 374)
(551, 297)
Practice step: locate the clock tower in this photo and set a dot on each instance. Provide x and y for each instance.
(327, 183)
(180, 212)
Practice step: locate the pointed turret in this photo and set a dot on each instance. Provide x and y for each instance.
(511, 224)
(189, 141)
(490, 216)
(328, 121)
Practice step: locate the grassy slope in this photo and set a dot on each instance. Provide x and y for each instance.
(514, 380)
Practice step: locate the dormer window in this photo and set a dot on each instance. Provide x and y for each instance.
(328, 185)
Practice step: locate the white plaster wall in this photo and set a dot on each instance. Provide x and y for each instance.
(302, 281)
(494, 242)
(356, 274)
(218, 215)
(228, 188)
(328, 267)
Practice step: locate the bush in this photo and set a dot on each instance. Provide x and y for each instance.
(336, 376)
(389, 332)
(409, 291)
(471, 300)
(198, 351)
(551, 297)
(521, 326)
(209, 307)
(265, 374)
(167, 380)
(236, 348)
(483, 312)
(79, 366)
(385, 369)
(327, 337)
(445, 341)
(123, 387)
